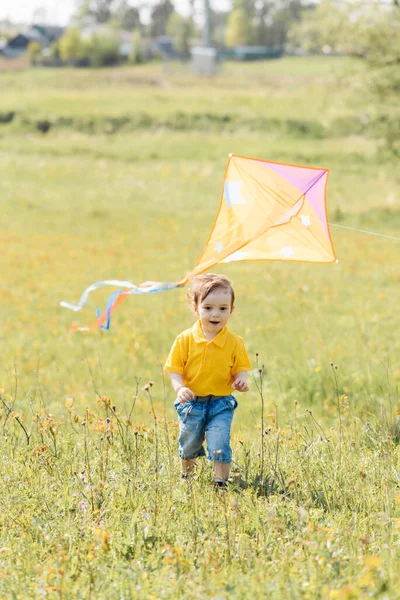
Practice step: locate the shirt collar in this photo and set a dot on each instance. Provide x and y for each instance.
(219, 339)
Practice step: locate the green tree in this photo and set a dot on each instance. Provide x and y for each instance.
(159, 17)
(218, 22)
(34, 51)
(249, 6)
(344, 28)
(240, 29)
(261, 23)
(383, 58)
(71, 45)
(136, 57)
(128, 17)
(55, 50)
(273, 19)
(101, 11)
(102, 50)
(181, 31)
(372, 34)
(322, 27)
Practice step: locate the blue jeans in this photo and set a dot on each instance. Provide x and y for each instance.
(207, 417)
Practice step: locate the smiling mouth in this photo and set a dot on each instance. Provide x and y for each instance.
(214, 322)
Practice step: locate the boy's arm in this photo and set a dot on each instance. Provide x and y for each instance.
(240, 382)
(241, 366)
(183, 393)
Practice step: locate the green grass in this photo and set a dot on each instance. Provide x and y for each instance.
(125, 185)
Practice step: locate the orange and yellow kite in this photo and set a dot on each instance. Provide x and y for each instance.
(267, 211)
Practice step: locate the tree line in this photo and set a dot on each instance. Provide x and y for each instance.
(247, 22)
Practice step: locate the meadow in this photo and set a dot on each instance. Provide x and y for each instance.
(117, 174)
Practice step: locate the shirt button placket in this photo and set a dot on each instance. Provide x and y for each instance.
(208, 350)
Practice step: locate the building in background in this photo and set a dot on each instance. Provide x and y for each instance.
(44, 35)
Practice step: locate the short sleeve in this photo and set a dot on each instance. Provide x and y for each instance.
(176, 359)
(241, 360)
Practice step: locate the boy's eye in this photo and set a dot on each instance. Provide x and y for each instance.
(223, 308)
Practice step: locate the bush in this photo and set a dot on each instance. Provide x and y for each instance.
(71, 46)
(346, 28)
(137, 56)
(54, 51)
(34, 51)
(7, 117)
(181, 30)
(43, 126)
(102, 51)
(384, 76)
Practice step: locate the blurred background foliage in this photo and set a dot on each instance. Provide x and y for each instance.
(111, 32)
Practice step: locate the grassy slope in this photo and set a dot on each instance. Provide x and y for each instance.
(138, 205)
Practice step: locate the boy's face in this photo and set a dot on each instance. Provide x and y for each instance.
(215, 310)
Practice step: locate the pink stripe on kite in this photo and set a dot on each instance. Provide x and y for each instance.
(316, 197)
(308, 181)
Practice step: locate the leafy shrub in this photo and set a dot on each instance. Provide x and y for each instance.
(7, 117)
(43, 125)
(370, 33)
(137, 55)
(71, 46)
(102, 51)
(34, 51)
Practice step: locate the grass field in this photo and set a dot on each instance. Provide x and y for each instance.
(125, 185)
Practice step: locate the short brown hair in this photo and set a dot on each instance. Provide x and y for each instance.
(202, 285)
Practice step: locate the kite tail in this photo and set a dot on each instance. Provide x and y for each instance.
(116, 298)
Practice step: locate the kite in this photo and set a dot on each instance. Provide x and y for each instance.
(267, 211)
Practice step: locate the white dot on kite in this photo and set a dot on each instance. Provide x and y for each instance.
(232, 193)
(219, 247)
(238, 255)
(287, 251)
(306, 221)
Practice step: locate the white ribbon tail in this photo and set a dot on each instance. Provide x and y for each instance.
(98, 284)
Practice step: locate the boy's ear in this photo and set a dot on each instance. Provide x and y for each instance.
(232, 309)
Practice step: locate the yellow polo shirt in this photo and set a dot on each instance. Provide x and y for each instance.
(208, 367)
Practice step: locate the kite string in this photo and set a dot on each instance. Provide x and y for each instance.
(390, 237)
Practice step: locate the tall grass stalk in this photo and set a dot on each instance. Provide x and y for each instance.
(147, 388)
(259, 384)
(334, 369)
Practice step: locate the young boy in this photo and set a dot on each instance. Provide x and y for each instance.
(205, 364)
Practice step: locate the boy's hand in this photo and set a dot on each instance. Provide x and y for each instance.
(240, 383)
(185, 394)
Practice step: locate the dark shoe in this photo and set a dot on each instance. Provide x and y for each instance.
(219, 484)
